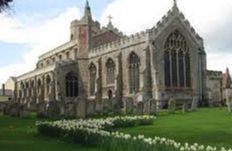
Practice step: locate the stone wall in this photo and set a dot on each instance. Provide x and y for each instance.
(214, 87)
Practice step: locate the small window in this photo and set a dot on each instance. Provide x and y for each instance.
(60, 57)
(48, 62)
(54, 59)
(41, 65)
(71, 37)
(67, 55)
(75, 51)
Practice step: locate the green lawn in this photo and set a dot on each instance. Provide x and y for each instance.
(20, 135)
(206, 126)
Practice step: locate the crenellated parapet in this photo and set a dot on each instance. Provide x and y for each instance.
(61, 48)
(214, 74)
(173, 14)
(36, 72)
(121, 43)
(110, 27)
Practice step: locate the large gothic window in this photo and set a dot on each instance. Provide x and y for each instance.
(134, 63)
(72, 89)
(177, 61)
(92, 74)
(110, 71)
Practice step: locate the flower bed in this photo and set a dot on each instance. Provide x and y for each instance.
(98, 132)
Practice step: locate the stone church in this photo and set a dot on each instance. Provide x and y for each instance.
(101, 63)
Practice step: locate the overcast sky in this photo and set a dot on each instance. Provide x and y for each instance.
(33, 27)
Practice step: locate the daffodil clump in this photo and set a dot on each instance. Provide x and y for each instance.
(99, 132)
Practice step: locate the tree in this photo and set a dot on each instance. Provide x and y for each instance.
(4, 4)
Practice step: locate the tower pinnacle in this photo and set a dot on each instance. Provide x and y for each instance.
(175, 7)
(87, 9)
(175, 3)
(87, 3)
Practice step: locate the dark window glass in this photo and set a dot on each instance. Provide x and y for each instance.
(134, 77)
(110, 73)
(72, 87)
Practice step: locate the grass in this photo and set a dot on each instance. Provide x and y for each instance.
(205, 126)
(20, 135)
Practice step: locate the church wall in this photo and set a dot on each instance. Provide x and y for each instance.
(139, 50)
(83, 77)
(126, 51)
(158, 64)
(28, 90)
(107, 87)
(214, 86)
(61, 73)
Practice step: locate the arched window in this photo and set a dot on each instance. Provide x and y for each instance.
(71, 37)
(39, 83)
(39, 87)
(27, 85)
(176, 61)
(48, 83)
(92, 75)
(110, 73)
(72, 86)
(22, 86)
(27, 89)
(134, 79)
(110, 94)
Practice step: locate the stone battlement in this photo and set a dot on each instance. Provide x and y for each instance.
(121, 43)
(212, 73)
(105, 29)
(36, 72)
(58, 49)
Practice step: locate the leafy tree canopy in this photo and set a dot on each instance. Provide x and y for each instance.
(4, 4)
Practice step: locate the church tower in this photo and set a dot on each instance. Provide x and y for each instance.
(81, 31)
